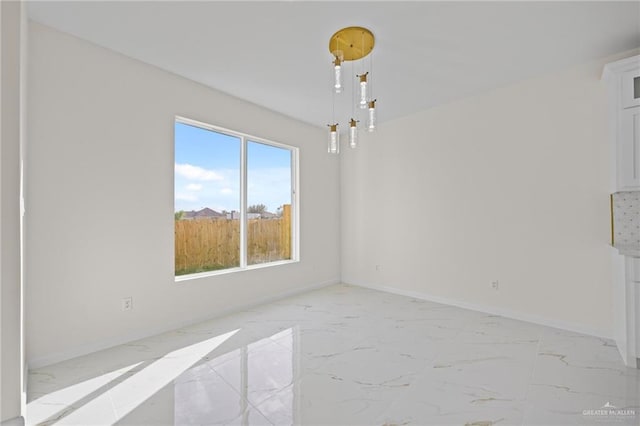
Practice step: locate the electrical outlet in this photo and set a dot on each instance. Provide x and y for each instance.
(495, 285)
(127, 304)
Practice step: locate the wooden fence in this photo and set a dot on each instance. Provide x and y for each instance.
(210, 244)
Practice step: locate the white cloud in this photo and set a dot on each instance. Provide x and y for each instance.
(192, 172)
(194, 187)
(186, 197)
(226, 191)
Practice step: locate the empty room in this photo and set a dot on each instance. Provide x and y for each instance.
(320, 213)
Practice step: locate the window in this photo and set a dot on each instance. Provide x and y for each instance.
(235, 204)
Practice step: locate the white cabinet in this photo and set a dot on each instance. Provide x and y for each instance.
(623, 79)
(628, 150)
(630, 93)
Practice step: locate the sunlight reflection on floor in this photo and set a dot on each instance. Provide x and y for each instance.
(94, 400)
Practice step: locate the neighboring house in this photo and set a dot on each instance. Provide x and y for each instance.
(264, 215)
(236, 215)
(268, 215)
(205, 213)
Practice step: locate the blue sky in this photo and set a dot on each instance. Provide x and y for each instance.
(207, 171)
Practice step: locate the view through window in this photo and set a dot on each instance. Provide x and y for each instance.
(222, 219)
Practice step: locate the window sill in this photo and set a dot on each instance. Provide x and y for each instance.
(189, 277)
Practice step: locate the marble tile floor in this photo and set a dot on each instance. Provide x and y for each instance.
(344, 355)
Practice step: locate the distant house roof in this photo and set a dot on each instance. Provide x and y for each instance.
(207, 213)
(202, 214)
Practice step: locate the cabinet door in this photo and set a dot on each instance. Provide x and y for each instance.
(631, 88)
(629, 150)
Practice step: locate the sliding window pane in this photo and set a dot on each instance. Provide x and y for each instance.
(268, 203)
(207, 200)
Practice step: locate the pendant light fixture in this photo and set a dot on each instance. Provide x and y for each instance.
(364, 100)
(337, 74)
(371, 121)
(334, 139)
(353, 133)
(352, 44)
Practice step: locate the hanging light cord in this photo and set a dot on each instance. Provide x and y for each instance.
(371, 72)
(353, 94)
(362, 47)
(333, 106)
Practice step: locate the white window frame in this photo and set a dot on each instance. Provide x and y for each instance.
(295, 200)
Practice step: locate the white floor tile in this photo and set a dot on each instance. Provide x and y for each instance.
(344, 355)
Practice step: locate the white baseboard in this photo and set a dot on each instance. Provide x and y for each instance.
(493, 310)
(16, 421)
(87, 349)
(141, 334)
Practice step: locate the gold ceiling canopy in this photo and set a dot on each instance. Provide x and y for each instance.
(354, 43)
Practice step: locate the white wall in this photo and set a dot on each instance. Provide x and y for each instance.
(11, 75)
(511, 185)
(100, 200)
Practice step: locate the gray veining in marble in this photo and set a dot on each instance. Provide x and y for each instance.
(350, 356)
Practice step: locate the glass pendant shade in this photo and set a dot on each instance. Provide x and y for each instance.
(351, 44)
(334, 139)
(363, 90)
(337, 75)
(372, 119)
(353, 133)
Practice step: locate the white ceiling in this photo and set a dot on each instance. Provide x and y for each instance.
(275, 54)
